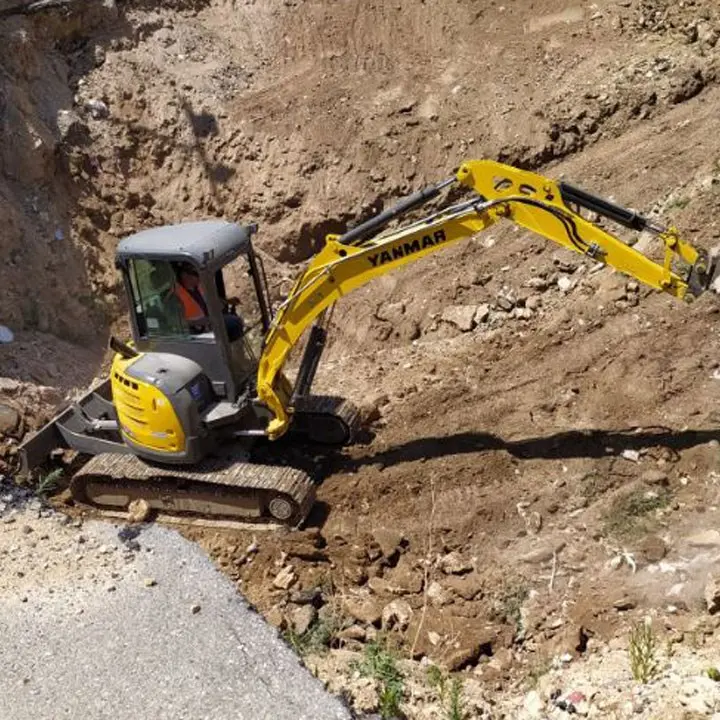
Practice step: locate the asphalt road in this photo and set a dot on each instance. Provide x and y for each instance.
(187, 647)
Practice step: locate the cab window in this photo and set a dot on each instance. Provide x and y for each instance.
(157, 309)
(237, 291)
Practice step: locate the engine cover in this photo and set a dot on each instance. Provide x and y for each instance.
(159, 398)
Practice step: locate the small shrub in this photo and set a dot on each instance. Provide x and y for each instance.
(47, 484)
(449, 692)
(380, 664)
(509, 606)
(626, 512)
(317, 638)
(539, 667)
(679, 203)
(643, 662)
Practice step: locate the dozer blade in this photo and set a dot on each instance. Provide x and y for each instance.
(218, 489)
(73, 428)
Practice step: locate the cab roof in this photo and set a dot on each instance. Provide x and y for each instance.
(205, 243)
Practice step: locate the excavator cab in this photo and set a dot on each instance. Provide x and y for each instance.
(198, 291)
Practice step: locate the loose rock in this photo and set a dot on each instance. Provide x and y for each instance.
(534, 705)
(482, 313)
(462, 658)
(138, 511)
(9, 419)
(654, 477)
(364, 609)
(71, 128)
(624, 604)
(302, 617)
(391, 542)
(354, 632)
(396, 615)
(505, 303)
(437, 595)
(461, 316)
(313, 596)
(467, 586)
(631, 455)
(705, 539)
(454, 564)
(285, 578)
(653, 549)
(97, 108)
(276, 618)
(404, 579)
(565, 283)
(543, 553)
(712, 594)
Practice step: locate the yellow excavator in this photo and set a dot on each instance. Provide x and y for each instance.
(178, 421)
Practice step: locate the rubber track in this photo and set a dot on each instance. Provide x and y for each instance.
(215, 474)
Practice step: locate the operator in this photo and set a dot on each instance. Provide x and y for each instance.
(192, 298)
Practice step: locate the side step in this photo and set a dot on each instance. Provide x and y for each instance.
(214, 488)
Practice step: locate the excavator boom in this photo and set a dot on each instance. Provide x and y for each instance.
(500, 192)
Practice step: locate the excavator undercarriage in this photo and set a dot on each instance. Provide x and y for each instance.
(229, 486)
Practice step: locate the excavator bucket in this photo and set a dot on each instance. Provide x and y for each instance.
(714, 274)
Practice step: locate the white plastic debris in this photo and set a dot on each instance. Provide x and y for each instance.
(97, 108)
(6, 334)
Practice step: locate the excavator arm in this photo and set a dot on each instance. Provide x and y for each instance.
(500, 193)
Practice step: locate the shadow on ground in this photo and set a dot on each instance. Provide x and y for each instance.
(564, 445)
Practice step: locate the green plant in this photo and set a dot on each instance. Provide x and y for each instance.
(643, 662)
(594, 485)
(680, 203)
(48, 483)
(713, 673)
(456, 710)
(449, 692)
(317, 638)
(380, 664)
(509, 606)
(626, 512)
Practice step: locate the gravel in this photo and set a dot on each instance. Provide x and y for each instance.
(96, 627)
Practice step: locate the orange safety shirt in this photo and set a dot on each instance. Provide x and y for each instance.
(191, 307)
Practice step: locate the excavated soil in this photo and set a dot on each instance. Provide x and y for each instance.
(525, 488)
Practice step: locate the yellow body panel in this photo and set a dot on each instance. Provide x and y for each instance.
(527, 199)
(146, 417)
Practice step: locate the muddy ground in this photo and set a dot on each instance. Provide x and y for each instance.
(528, 486)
